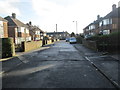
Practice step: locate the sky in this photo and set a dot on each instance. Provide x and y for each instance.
(47, 13)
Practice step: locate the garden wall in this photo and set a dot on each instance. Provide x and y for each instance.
(90, 44)
(28, 46)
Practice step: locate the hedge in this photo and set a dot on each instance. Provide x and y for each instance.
(79, 39)
(107, 42)
(7, 47)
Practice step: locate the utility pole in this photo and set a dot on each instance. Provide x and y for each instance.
(56, 27)
(76, 26)
(56, 32)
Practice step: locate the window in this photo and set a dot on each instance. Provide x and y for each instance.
(27, 31)
(37, 32)
(105, 21)
(100, 24)
(1, 30)
(106, 32)
(91, 27)
(21, 29)
(110, 21)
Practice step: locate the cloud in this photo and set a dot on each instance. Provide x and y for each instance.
(8, 6)
(63, 12)
(46, 9)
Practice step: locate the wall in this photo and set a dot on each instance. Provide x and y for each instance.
(28, 46)
(5, 29)
(11, 32)
(49, 41)
(90, 44)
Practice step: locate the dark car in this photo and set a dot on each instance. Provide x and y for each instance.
(67, 39)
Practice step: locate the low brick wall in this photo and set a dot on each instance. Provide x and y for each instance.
(90, 44)
(49, 41)
(28, 46)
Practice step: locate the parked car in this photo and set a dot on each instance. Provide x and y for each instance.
(67, 39)
(72, 40)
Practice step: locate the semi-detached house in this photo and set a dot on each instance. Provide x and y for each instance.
(17, 29)
(35, 32)
(104, 25)
(3, 28)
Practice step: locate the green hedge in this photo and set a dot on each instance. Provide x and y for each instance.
(79, 39)
(107, 42)
(7, 47)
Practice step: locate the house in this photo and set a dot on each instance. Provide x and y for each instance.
(35, 32)
(58, 35)
(17, 29)
(3, 28)
(104, 25)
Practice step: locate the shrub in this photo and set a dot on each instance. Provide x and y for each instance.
(79, 39)
(107, 42)
(7, 47)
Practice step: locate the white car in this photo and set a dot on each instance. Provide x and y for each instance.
(72, 40)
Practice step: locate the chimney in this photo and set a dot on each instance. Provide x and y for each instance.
(113, 7)
(14, 15)
(98, 17)
(30, 23)
(119, 4)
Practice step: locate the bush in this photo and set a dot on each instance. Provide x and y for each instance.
(7, 47)
(79, 39)
(107, 42)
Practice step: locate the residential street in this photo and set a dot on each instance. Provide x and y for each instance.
(63, 65)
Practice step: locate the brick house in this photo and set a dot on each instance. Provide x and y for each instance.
(58, 35)
(104, 25)
(35, 32)
(3, 28)
(17, 29)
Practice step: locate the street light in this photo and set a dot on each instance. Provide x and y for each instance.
(76, 26)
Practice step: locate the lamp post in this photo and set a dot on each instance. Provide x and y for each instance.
(76, 25)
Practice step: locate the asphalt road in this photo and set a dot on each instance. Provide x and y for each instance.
(61, 66)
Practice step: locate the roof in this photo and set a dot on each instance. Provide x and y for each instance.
(50, 33)
(113, 14)
(15, 22)
(34, 28)
(2, 19)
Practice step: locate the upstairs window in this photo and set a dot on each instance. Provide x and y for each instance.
(91, 27)
(106, 22)
(100, 24)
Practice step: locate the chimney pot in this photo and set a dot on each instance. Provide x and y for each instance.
(14, 15)
(98, 17)
(113, 7)
(30, 23)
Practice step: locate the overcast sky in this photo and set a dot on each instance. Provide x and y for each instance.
(47, 13)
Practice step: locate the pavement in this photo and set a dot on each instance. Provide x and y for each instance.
(107, 64)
